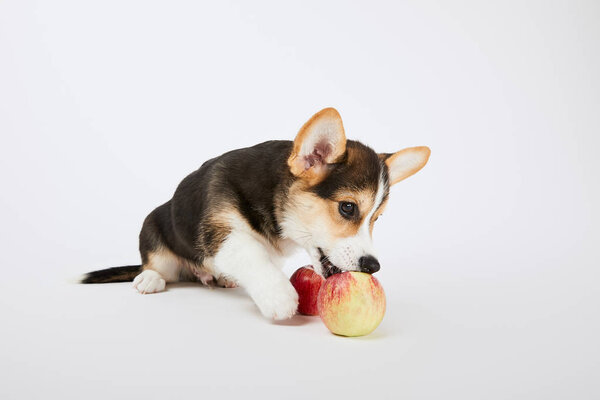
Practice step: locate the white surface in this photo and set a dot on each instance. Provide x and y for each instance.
(489, 255)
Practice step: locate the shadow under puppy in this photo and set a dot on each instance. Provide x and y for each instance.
(234, 220)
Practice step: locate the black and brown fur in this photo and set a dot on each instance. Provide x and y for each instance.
(253, 181)
(259, 184)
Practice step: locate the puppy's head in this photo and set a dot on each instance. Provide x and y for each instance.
(340, 189)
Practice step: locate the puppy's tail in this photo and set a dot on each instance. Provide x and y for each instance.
(115, 274)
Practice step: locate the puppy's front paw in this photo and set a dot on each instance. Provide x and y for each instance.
(149, 282)
(278, 302)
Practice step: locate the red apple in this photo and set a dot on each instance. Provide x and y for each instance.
(351, 303)
(307, 283)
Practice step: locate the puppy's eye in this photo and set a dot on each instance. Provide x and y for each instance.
(347, 209)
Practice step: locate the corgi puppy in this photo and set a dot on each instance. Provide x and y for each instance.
(234, 220)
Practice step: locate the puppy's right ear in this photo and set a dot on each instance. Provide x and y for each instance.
(320, 142)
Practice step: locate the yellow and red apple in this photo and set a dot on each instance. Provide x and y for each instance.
(351, 303)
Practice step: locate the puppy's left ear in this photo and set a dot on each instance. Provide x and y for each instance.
(406, 162)
(321, 141)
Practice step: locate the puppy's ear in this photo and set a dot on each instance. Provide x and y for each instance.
(321, 141)
(406, 162)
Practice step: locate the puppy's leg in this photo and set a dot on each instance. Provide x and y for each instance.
(159, 264)
(246, 260)
(161, 267)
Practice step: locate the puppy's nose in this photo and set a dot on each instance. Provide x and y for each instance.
(368, 264)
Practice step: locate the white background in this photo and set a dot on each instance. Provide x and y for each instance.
(489, 254)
